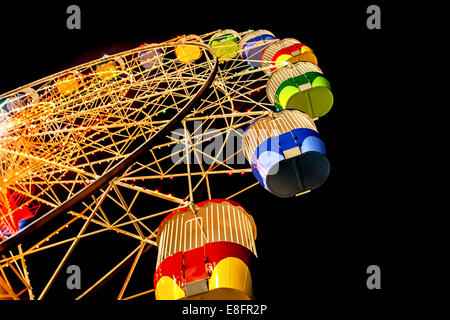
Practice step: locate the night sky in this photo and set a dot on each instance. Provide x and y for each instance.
(313, 250)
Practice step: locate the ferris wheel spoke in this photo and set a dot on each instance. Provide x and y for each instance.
(199, 161)
(112, 271)
(26, 274)
(155, 193)
(241, 191)
(72, 246)
(5, 285)
(128, 211)
(130, 272)
(102, 229)
(100, 214)
(139, 294)
(13, 264)
(38, 247)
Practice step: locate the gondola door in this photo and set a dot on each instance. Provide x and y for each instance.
(194, 269)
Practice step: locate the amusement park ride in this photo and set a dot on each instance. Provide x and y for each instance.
(81, 148)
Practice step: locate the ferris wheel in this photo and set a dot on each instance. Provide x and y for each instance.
(136, 143)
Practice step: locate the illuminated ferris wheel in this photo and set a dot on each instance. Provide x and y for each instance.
(136, 143)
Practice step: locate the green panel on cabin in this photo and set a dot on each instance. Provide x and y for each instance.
(225, 47)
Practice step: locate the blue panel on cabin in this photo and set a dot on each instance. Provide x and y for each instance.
(313, 143)
(269, 153)
(255, 53)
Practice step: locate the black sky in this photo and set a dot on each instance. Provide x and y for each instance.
(329, 236)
